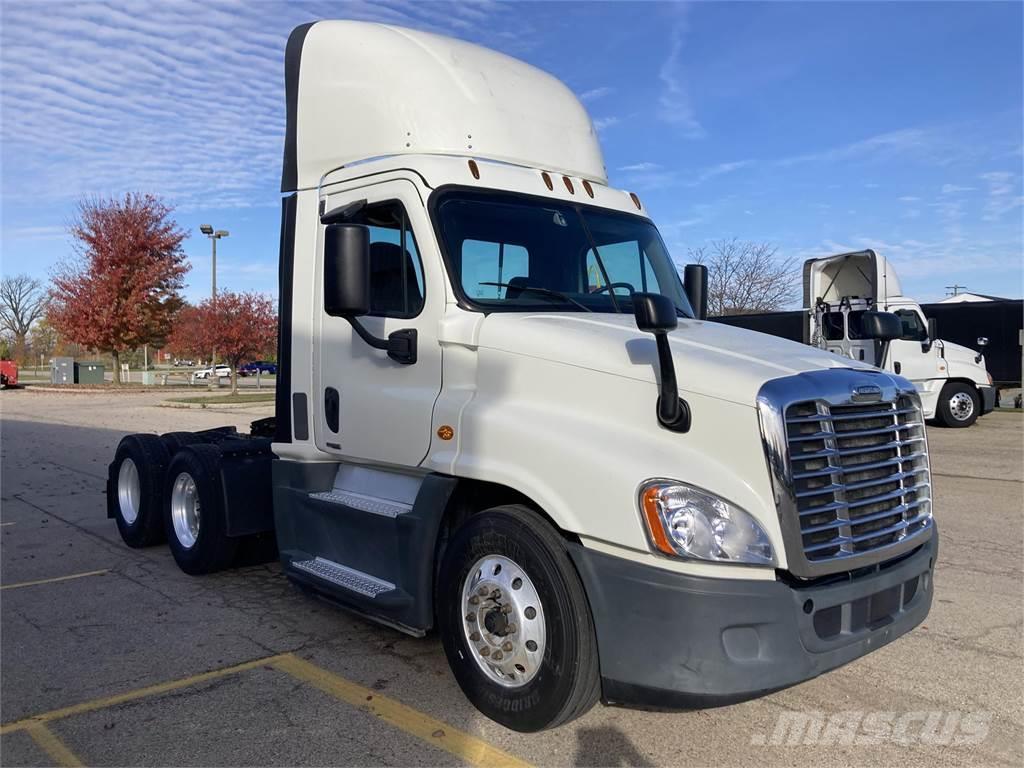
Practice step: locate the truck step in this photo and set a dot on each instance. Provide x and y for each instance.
(363, 503)
(343, 576)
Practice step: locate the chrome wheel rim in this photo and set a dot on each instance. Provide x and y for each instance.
(503, 621)
(185, 510)
(961, 405)
(129, 493)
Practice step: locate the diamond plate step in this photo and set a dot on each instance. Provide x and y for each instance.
(343, 576)
(363, 503)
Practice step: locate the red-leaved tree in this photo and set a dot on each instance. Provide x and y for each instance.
(188, 336)
(239, 326)
(121, 290)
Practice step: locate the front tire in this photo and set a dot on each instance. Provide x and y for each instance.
(525, 652)
(194, 512)
(959, 405)
(135, 485)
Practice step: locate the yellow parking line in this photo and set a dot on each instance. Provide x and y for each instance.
(53, 746)
(435, 732)
(55, 579)
(141, 693)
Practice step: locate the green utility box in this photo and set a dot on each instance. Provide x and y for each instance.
(89, 373)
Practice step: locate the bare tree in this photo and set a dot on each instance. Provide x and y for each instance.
(746, 277)
(22, 302)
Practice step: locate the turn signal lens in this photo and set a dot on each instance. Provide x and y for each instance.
(683, 521)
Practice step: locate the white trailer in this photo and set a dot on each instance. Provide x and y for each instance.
(501, 416)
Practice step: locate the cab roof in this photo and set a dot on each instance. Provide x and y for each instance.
(357, 90)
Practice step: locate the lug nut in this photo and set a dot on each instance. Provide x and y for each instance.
(482, 591)
(510, 629)
(470, 617)
(531, 646)
(485, 651)
(474, 600)
(530, 612)
(497, 656)
(507, 647)
(496, 594)
(475, 637)
(506, 609)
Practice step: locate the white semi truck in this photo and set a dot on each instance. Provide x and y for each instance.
(954, 384)
(501, 415)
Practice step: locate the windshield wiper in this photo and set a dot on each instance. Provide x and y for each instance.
(542, 291)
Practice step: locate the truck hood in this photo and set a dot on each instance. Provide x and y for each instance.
(711, 359)
(958, 354)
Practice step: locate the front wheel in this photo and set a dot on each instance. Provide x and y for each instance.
(515, 621)
(959, 405)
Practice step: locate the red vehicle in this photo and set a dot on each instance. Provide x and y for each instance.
(8, 374)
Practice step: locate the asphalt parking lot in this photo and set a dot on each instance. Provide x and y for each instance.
(112, 656)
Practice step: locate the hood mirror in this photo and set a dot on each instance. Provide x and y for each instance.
(656, 314)
(982, 343)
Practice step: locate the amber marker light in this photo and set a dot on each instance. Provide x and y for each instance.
(474, 169)
(547, 180)
(649, 503)
(445, 432)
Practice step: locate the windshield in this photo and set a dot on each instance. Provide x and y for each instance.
(521, 253)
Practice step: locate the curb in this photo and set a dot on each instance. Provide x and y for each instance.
(214, 405)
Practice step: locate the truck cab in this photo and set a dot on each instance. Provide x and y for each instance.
(502, 417)
(954, 385)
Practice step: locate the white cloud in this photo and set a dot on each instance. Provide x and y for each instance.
(603, 123)
(1001, 197)
(674, 102)
(640, 167)
(719, 170)
(909, 199)
(955, 189)
(596, 93)
(183, 97)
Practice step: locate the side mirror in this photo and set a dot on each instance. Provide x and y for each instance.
(883, 326)
(933, 334)
(347, 288)
(983, 341)
(346, 270)
(656, 314)
(695, 283)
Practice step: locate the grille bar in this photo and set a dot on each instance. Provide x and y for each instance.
(858, 473)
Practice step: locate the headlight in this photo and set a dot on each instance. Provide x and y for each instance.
(684, 521)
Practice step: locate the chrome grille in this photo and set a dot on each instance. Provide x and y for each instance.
(859, 475)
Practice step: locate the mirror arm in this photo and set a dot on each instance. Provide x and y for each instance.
(673, 411)
(400, 345)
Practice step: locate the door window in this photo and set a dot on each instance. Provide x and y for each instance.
(396, 274)
(913, 328)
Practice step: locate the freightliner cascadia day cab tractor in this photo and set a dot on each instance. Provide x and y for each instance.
(500, 415)
(952, 380)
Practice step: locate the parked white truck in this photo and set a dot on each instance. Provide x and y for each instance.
(479, 427)
(954, 384)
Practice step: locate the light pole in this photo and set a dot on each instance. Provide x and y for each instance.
(208, 230)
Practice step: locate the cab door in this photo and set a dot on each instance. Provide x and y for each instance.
(907, 354)
(371, 408)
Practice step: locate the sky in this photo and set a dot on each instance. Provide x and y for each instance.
(818, 127)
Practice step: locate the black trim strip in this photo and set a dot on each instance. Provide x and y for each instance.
(292, 59)
(285, 280)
